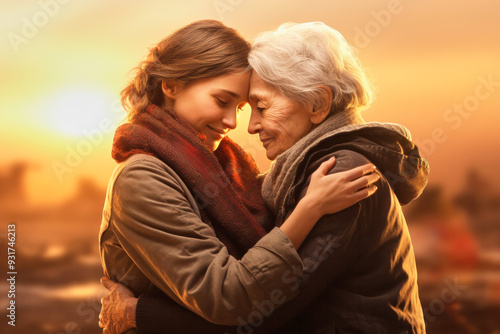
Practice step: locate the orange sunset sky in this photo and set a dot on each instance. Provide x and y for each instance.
(63, 64)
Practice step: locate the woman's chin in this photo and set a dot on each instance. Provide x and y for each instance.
(270, 154)
(272, 151)
(212, 145)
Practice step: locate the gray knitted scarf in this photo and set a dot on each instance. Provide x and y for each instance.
(282, 174)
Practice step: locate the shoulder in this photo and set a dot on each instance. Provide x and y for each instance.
(147, 187)
(144, 175)
(344, 160)
(347, 160)
(143, 162)
(140, 167)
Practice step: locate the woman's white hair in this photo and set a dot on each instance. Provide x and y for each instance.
(298, 58)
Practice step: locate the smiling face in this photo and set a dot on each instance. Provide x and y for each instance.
(210, 105)
(279, 121)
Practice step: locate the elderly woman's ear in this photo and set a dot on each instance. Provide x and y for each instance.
(323, 105)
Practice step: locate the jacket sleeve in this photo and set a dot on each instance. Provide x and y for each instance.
(326, 253)
(158, 228)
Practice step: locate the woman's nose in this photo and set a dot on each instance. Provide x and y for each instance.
(230, 120)
(254, 125)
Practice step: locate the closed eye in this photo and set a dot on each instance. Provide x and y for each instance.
(260, 106)
(221, 102)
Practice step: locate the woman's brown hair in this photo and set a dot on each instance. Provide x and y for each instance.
(202, 49)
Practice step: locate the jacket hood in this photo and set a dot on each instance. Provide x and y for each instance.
(390, 148)
(387, 145)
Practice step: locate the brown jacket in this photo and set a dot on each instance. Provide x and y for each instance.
(152, 234)
(359, 267)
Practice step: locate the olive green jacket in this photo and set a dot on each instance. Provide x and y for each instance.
(152, 234)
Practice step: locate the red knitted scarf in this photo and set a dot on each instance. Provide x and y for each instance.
(224, 184)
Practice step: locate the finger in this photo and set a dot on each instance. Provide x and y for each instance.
(358, 172)
(325, 166)
(108, 284)
(366, 192)
(364, 181)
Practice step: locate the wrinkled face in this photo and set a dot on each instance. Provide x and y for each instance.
(279, 121)
(212, 105)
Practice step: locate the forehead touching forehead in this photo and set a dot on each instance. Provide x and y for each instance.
(259, 89)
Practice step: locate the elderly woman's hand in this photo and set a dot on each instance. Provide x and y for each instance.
(118, 308)
(336, 192)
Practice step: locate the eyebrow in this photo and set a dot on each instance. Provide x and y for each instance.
(233, 94)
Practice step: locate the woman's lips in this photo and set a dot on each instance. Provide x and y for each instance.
(265, 141)
(218, 133)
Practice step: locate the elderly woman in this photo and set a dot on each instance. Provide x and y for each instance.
(306, 92)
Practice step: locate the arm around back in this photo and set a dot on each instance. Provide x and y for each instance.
(325, 254)
(156, 224)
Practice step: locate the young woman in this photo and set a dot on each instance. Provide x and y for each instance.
(184, 210)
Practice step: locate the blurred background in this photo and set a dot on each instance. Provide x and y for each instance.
(63, 64)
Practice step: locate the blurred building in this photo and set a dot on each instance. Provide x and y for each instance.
(12, 187)
(481, 200)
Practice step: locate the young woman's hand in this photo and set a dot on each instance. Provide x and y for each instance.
(118, 308)
(328, 194)
(336, 192)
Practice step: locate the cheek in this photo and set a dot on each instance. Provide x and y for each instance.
(290, 130)
(273, 124)
(285, 126)
(199, 107)
(282, 132)
(206, 113)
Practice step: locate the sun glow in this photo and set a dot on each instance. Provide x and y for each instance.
(76, 111)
